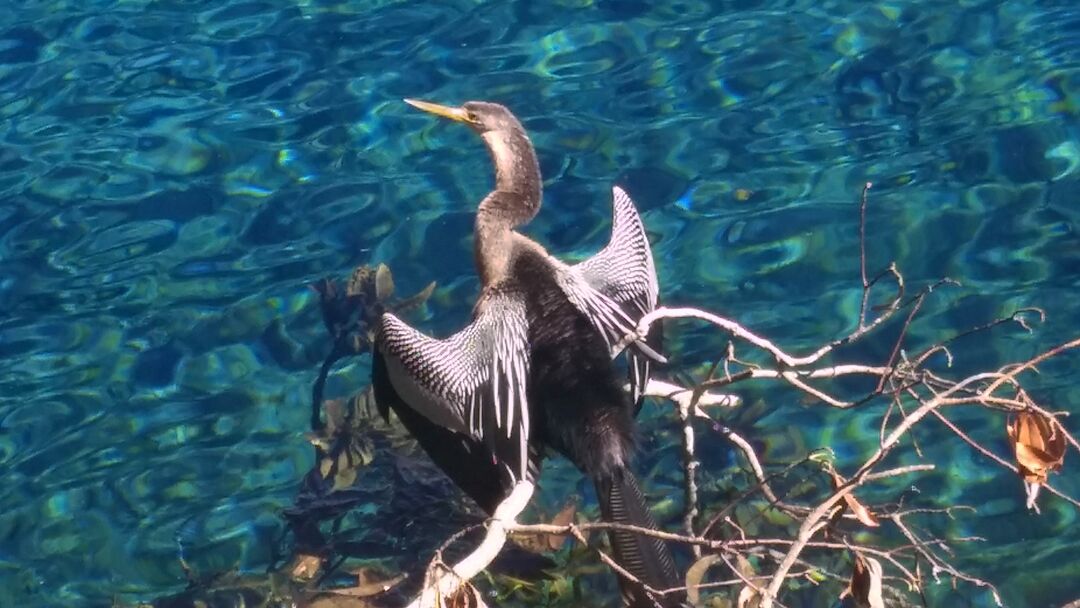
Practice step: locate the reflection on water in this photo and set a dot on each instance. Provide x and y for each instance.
(174, 173)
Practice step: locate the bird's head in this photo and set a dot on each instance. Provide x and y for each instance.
(513, 155)
(481, 116)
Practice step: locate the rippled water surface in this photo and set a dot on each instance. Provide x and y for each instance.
(173, 175)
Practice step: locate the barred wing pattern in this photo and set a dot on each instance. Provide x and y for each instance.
(624, 272)
(474, 382)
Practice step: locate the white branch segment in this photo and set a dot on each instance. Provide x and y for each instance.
(682, 396)
(727, 325)
(443, 584)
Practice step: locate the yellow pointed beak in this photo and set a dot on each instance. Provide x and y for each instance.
(457, 114)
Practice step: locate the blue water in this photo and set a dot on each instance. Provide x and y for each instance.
(173, 174)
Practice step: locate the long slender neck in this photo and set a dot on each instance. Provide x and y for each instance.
(515, 201)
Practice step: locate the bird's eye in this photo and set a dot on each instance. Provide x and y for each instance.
(471, 116)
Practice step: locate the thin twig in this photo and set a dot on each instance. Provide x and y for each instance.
(812, 522)
(1030, 364)
(1016, 317)
(576, 532)
(862, 254)
(939, 565)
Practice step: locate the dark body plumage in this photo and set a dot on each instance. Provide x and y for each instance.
(534, 368)
(585, 414)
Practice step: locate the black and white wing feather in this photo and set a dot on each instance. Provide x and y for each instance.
(624, 272)
(474, 382)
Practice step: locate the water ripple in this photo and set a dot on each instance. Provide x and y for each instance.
(173, 172)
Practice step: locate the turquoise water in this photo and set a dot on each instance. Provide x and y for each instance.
(173, 175)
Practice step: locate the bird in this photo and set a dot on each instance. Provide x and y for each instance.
(533, 370)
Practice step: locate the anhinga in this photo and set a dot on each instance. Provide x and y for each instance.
(534, 367)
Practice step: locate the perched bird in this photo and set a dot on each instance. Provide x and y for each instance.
(534, 369)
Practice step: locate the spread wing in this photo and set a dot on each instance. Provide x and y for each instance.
(624, 272)
(473, 383)
(466, 461)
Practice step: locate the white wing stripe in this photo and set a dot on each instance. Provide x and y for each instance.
(511, 404)
(623, 277)
(495, 375)
(456, 382)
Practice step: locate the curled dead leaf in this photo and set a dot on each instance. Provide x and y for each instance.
(694, 576)
(345, 477)
(748, 598)
(384, 283)
(541, 543)
(305, 567)
(1039, 443)
(865, 586)
(467, 596)
(860, 511)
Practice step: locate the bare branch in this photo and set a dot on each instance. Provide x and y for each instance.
(680, 395)
(690, 466)
(614, 565)
(444, 584)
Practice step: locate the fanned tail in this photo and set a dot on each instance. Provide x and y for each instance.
(646, 557)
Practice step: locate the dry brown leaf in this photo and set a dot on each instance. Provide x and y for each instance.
(335, 415)
(695, 574)
(345, 467)
(367, 587)
(1039, 444)
(541, 543)
(564, 517)
(745, 567)
(748, 598)
(359, 281)
(384, 283)
(415, 301)
(329, 600)
(466, 596)
(865, 585)
(346, 473)
(861, 512)
(305, 567)
(529, 541)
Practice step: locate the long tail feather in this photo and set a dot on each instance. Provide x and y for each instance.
(646, 557)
